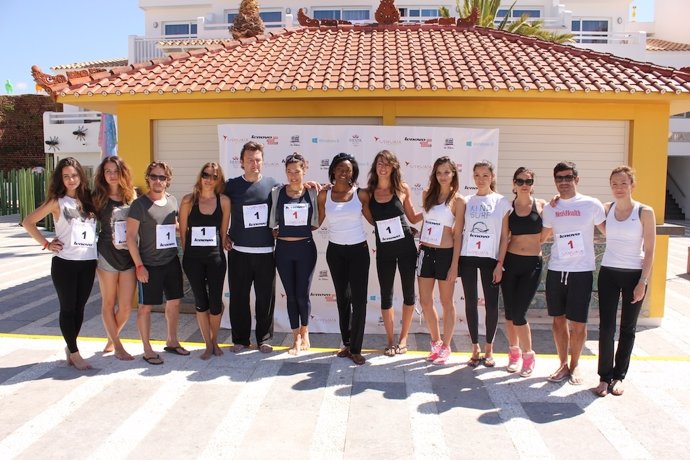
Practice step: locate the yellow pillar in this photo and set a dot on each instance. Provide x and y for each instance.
(135, 139)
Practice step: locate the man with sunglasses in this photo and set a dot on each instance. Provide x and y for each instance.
(152, 243)
(571, 267)
(250, 246)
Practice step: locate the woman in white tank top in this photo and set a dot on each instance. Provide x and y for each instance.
(625, 270)
(348, 253)
(74, 266)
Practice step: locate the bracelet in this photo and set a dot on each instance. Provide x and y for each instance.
(45, 246)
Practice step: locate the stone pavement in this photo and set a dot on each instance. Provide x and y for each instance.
(255, 405)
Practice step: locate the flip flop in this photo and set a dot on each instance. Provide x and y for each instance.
(178, 350)
(400, 349)
(389, 351)
(617, 388)
(489, 362)
(475, 361)
(153, 360)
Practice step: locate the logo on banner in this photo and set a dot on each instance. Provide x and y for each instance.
(322, 140)
(327, 296)
(355, 140)
(294, 141)
(235, 161)
(410, 165)
(325, 163)
(449, 144)
(423, 142)
(378, 140)
(418, 187)
(468, 143)
(241, 140)
(323, 275)
(270, 140)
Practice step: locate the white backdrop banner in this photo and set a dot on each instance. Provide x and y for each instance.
(416, 149)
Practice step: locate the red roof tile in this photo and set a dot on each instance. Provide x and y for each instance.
(389, 58)
(656, 44)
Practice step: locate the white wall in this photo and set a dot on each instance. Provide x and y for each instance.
(672, 20)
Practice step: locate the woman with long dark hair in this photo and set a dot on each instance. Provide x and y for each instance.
(113, 192)
(294, 215)
(204, 219)
(74, 247)
(439, 250)
(391, 208)
(348, 252)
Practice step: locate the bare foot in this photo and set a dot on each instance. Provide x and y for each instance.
(305, 342)
(576, 377)
(601, 390)
(617, 388)
(109, 348)
(217, 350)
(79, 362)
(122, 355)
(296, 345)
(207, 353)
(561, 374)
(67, 357)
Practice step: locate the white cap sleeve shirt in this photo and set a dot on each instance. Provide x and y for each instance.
(483, 224)
(572, 222)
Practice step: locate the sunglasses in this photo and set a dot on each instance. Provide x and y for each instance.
(162, 178)
(205, 175)
(521, 182)
(568, 178)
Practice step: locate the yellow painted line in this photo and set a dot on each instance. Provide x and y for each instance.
(328, 350)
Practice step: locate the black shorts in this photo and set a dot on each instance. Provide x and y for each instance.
(162, 279)
(569, 293)
(434, 262)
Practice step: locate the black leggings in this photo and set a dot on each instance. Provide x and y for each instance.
(295, 261)
(519, 284)
(349, 266)
(73, 280)
(468, 273)
(404, 255)
(614, 283)
(206, 276)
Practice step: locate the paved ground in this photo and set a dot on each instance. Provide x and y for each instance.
(316, 405)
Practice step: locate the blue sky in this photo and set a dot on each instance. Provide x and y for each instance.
(62, 32)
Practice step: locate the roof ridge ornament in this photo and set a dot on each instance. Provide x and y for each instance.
(306, 21)
(387, 13)
(247, 23)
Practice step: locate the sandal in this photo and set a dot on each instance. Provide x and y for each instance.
(475, 361)
(489, 362)
(616, 388)
(390, 351)
(357, 359)
(602, 390)
(344, 353)
(400, 349)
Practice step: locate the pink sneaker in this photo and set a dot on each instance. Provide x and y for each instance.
(514, 355)
(443, 355)
(435, 347)
(528, 360)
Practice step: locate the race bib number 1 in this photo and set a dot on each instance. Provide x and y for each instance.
(432, 232)
(295, 214)
(255, 215)
(481, 245)
(120, 234)
(203, 236)
(165, 236)
(83, 234)
(390, 229)
(570, 245)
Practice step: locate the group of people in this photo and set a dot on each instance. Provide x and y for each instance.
(266, 225)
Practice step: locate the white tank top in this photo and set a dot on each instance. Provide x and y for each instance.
(76, 233)
(344, 220)
(623, 240)
(441, 213)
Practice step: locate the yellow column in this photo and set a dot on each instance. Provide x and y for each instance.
(135, 139)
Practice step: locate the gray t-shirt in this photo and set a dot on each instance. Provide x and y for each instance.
(157, 245)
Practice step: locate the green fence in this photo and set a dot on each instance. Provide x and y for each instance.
(22, 190)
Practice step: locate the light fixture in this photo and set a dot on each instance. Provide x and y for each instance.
(155, 24)
(288, 11)
(619, 20)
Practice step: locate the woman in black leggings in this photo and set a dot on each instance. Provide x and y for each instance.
(523, 264)
(625, 270)
(294, 215)
(74, 246)
(204, 219)
(391, 207)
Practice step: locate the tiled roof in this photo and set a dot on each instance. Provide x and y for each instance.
(116, 62)
(393, 58)
(195, 42)
(656, 44)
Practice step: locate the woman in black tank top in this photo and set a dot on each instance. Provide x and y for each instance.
(391, 208)
(204, 220)
(522, 265)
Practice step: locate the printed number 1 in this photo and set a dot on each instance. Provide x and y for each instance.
(570, 243)
(294, 214)
(83, 235)
(429, 230)
(168, 235)
(388, 229)
(203, 231)
(479, 244)
(257, 215)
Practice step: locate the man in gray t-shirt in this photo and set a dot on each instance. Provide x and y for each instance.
(152, 243)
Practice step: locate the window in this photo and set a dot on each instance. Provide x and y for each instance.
(518, 13)
(187, 29)
(270, 18)
(342, 13)
(420, 14)
(591, 25)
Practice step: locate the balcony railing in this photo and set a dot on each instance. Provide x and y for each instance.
(71, 118)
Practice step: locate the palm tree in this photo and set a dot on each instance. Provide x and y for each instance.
(488, 9)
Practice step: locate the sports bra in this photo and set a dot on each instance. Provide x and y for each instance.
(530, 224)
